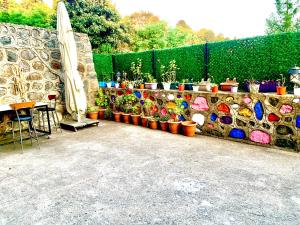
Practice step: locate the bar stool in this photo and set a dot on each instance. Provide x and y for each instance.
(52, 110)
(28, 117)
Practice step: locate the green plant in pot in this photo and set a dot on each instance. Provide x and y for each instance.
(108, 114)
(148, 104)
(92, 112)
(136, 114)
(168, 74)
(102, 101)
(117, 108)
(136, 70)
(163, 122)
(150, 81)
(175, 124)
(153, 122)
(128, 101)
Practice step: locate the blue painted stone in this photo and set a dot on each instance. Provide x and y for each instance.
(213, 117)
(102, 84)
(138, 94)
(181, 118)
(237, 133)
(226, 120)
(184, 104)
(298, 121)
(259, 110)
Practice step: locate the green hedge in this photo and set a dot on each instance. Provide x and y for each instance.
(259, 58)
(103, 66)
(123, 62)
(190, 61)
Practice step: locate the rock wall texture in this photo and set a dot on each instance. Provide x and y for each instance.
(35, 52)
(263, 119)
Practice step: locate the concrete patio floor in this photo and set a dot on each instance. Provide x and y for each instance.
(127, 175)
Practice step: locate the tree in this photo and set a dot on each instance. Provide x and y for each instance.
(286, 18)
(182, 25)
(100, 20)
(140, 19)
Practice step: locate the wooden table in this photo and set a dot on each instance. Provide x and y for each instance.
(6, 108)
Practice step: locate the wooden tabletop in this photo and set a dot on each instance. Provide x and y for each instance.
(6, 107)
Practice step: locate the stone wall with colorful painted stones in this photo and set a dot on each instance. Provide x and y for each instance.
(35, 51)
(262, 119)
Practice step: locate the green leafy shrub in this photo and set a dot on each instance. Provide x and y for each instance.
(103, 66)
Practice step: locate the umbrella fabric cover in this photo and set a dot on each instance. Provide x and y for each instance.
(74, 91)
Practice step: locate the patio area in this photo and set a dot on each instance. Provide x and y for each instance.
(125, 174)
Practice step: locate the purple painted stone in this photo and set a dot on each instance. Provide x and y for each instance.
(226, 120)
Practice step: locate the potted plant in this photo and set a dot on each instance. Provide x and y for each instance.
(136, 114)
(181, 85)
(163, 122)
(186, 83)
(214, 86)
(281, 89)
(234, 88)
(148, 104)
(253, 85)
(295, 79)
(102, 101)
(124, 81)
(189, 128)
(136, 70)
(117, 108)
(205, 85)
(108, 114)
(175, 123)
(92, 112)
(150, 81)
(127, 104)
(168, 75)
(153, 122)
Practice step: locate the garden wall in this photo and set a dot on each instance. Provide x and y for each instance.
(260, 58)
(262, 119)
(36, 53)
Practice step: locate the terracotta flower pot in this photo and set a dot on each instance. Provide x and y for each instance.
(126, 117)
(163, 125)
(145, 121)
(181, 87)
(123, 85)
(174, 127)
(214, 89)
(92, 115)
(135, 119)
(153, 124)
(189, 128)
(102, 114)
(281, 90)
(117, 116)
(142, 86)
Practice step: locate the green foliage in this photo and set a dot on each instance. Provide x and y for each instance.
(149, 78)
(165, 118)
(168, 74)
(102, 100)
(189, 59)
(103, 66)
(286, 18)
(92, 109)
(100, 20)
(258, 58)
(123, 62)
(136, 70)
(128, 102)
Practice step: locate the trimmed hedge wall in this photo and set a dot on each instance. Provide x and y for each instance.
(190, 61)
(259, 58)
(103, 65)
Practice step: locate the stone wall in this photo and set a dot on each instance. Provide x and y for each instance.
(36, 52)
(263, 119)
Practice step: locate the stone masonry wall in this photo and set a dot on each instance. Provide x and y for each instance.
(262, 119)
(36, 52)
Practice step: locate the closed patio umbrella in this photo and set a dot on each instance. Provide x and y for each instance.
(74, 92)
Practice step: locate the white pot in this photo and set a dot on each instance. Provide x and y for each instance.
(130, 86)
(254, 88)
(117, 85)
(195, 88)
(297, 91)
(108, 84)
(167, 86)
(152, 86)
(234, 89)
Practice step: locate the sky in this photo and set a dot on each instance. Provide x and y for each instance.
(232, 18)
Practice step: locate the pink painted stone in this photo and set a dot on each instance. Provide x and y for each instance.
(285, 109)
(247, 100)
(156, 94)
(210, 125)
(163, 111)
(200, 104)
(260, 137)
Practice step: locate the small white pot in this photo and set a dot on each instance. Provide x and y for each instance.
(108, 84)
(234, 89)
(297, 91)
(167, 86)
(117, 85)
(152, 86)
(195, 88)
(130, 86)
